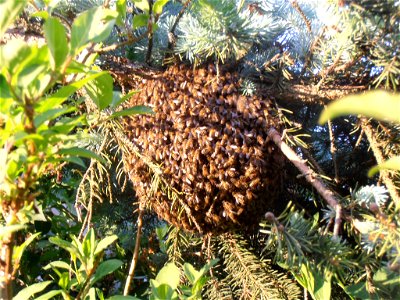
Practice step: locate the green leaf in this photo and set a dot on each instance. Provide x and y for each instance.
(63, 281)
(105, 268)
(135, 110)
(4, 230)
(117, 99)
(191, 273)
(56, 41)
(121, 9)
(63, 93)
(13, 54)
(104, 243)
(390, 164)
(58, 264)
(93, 25)
(376, 104)
(100, 90)
(10, 9)
(142, 4)
(140, 20)
(169, 274)
(31, 290)
(162, 291)
(19, 250)
(158, 6)
(118, 297)
(65, 245)
(51, 115)
(81, 152)
(317, 285)
(49, 295)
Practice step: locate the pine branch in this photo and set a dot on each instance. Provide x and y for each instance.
(251, 278)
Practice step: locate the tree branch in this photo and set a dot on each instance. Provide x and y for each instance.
(304, 169)
(135, 252)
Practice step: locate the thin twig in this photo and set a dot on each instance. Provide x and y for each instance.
(150, 33)
(333, 150)
(297, 7)
(304, 169)
(136, 251)
(121, 44)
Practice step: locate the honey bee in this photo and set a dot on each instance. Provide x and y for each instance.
(231, 172)
(254, 183)
(205, 171)
(208, 187)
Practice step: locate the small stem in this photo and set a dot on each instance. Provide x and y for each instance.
(333, 150)
(150, 33)
(135, 253)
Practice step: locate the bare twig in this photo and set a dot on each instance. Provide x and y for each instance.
(135, 252)
(119, 45)
(297, 7)
(304, 169)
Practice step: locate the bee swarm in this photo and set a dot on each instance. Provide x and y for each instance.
(212, 147)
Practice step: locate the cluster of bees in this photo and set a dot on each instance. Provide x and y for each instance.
(211, 145)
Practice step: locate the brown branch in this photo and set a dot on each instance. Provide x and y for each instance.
(333, 150)
(297, 7)
(304, 169)
(135, 252)
(384, 174)
(118, 45)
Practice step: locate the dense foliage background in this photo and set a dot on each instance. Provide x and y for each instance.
(72, 226)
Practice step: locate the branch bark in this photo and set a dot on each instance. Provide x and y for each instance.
(304, 169)
(135, 252)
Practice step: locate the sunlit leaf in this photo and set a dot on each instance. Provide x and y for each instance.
(142, 4)
(140, 20)
(136, 110)
(375, 104)
(4, 230)
(57, 41)
(10, 9)
(100, 90)
(31, 290)
(158, 6)
(93, 25)
(81, 152)
(390, 164)
(121, 9)
(170, 275)
(49, 295)
(105, 268)
(104, 243)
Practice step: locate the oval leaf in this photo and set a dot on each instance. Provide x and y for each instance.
(170, 275)
(57, 41)
(376, 104)
(9, 11)
(81, 152)
(136, 110)
(100, 90)
(390, 164)
(105, 268)
(31, 290)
